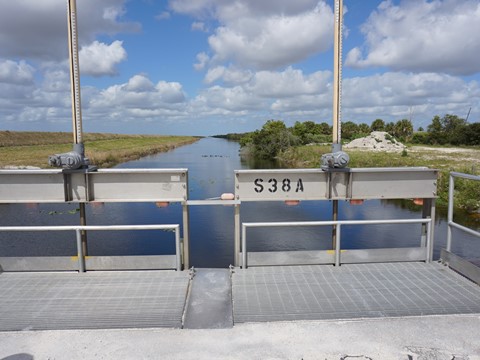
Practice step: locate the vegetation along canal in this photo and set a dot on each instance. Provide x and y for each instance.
(211, 163)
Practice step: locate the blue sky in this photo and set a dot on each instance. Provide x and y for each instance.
(204, 67)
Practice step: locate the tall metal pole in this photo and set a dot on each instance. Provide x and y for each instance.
(74, 72)
(337, 98)
(76, 100)
(337, 73)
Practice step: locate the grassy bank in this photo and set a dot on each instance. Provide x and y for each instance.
(104, 150)
(445, 159)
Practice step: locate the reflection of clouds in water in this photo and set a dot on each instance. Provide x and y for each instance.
(378, 236)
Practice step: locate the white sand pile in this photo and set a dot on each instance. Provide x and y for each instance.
(376, 141)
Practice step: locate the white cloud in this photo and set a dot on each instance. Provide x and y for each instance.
(289, 83)
(139, 94)
(164, 15)
(98, 59)
(214, 74)
(45, 36)
(422, 36)
(264, 34)
(202, 59)
(221, 100)
(274, 41)
(199, 26)
(19, 73)
(393, 96)
(226, 10)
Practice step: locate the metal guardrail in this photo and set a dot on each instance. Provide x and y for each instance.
(338, 224)
(451, 223)
(457, 263)
(78, 229)
(166, 186)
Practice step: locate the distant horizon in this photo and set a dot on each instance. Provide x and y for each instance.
(191, 68)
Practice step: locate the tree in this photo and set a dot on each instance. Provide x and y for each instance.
(299, 129)
(273, 138)
(364, 129)
(473, 134)
(378, 125)
(436, 131)
(448, 129)
(325, 129)
(390, 128)
(452, 122)
(403, 129)
(349, 130)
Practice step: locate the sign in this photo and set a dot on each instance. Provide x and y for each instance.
(278, 185)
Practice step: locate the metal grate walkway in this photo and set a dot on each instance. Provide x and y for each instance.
(149, 299)
(351, 291)
(141, 299)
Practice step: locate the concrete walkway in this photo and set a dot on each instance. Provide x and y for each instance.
(420, 338)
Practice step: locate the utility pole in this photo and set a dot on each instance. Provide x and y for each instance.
(78, 145)
(337, 99)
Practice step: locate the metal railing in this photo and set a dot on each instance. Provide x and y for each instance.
(451, 223)
(165, 186)
(459, 264)
(338, 224)
(79, 228)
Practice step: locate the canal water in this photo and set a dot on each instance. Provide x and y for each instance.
(211, 163)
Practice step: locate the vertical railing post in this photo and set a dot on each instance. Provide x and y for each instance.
(431, 230)
(451, 189)
(177, 248)
(429, 245)
(237, 249)
(186, 237)
(337, 244)
(80, 253)
(244, 247)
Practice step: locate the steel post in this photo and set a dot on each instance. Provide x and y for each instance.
(337, 245)
(80, 253)
(186, 236)
(244, 247)
(451, 189)
(237, 249)
(83, 222)
(178, 255)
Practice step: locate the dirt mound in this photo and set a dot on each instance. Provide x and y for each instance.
(376, 141)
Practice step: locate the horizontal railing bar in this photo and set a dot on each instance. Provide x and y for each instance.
(465, 176)
(212, 202)
(79, 228)
(89, 227)
(463, 228)
(338, 222)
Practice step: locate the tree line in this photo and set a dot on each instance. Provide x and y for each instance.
(275, 137)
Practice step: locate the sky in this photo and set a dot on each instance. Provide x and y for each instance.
(205, 67)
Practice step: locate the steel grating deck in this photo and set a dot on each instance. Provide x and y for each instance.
(149, 299)
(351, 291)
(106, 300)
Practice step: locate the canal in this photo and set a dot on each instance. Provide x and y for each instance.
(211, 163)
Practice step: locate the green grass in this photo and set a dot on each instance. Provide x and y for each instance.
(444, 159)
(104, 150)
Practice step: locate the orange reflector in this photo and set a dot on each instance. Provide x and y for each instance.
(162, 204)
(418, 201)
(292, 202)
(356, 202)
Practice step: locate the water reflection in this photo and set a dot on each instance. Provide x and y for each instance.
(211, 164)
